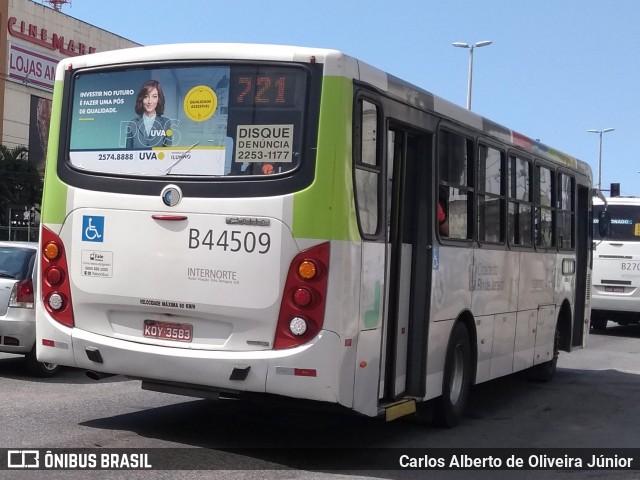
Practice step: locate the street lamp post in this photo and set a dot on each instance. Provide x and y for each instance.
(600, 132)
(484, 43)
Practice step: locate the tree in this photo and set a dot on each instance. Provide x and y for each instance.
(20, 182)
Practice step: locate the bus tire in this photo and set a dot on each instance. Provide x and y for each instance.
(456, 383)
(544, 372)
(598, 321)
(40, 369)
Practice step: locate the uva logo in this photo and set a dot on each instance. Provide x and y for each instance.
(150, 156)
(159, 133)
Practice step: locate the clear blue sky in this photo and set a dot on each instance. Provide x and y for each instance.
(556, 68)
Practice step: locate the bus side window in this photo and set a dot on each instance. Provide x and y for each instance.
(491, 166)
(455, 163)
(367, 170)
(520, 202)
(545, 211)
(566, 212)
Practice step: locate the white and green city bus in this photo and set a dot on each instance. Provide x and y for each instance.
(274, 231)
(616, 263)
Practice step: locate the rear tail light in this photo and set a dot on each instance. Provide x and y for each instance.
(55, 276)
(307, 269)
(298, 326)
(22, 295)
(304, 298)
(56, 289)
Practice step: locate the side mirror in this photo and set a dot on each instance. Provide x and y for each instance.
(604, 224)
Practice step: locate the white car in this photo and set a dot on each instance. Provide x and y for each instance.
(18, 272)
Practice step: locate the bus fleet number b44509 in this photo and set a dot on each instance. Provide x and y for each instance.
(230, 240)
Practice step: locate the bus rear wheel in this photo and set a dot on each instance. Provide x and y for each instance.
(456, 384)
(598, 321)
(40, 369)
(544, 372)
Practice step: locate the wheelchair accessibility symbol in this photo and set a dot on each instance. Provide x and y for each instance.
(92, 229)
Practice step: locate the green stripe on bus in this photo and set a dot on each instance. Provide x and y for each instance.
(54, 198)
(326, 209)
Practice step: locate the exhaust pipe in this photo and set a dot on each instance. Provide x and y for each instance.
(98, 375)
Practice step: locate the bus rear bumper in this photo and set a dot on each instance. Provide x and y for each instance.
(615, 303)
(306, 372)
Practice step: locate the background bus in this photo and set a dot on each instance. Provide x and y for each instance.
(273, 231)
(616, 264)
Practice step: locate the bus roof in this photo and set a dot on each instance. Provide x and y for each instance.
(336, 63)
(618, 201)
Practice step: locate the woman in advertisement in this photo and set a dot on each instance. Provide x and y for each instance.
(149, 128)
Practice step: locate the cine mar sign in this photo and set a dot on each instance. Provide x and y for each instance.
(32, 67)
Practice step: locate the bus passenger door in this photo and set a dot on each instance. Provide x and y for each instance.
(583, 244)
(407, 259)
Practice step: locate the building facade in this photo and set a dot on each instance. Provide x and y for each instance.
(33, 39)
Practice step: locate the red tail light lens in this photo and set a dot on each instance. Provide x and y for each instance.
(302, 297)
(56, 289)
(303, 302)
(55, 275)
(22, 295)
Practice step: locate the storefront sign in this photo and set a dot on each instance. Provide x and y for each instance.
(31, 68)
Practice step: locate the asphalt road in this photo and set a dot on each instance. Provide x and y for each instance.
(591, 403)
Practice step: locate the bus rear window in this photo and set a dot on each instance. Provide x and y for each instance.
(188, 120)
(625, 223)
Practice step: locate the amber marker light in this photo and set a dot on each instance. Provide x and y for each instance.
(51, 251)
(307, 270)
